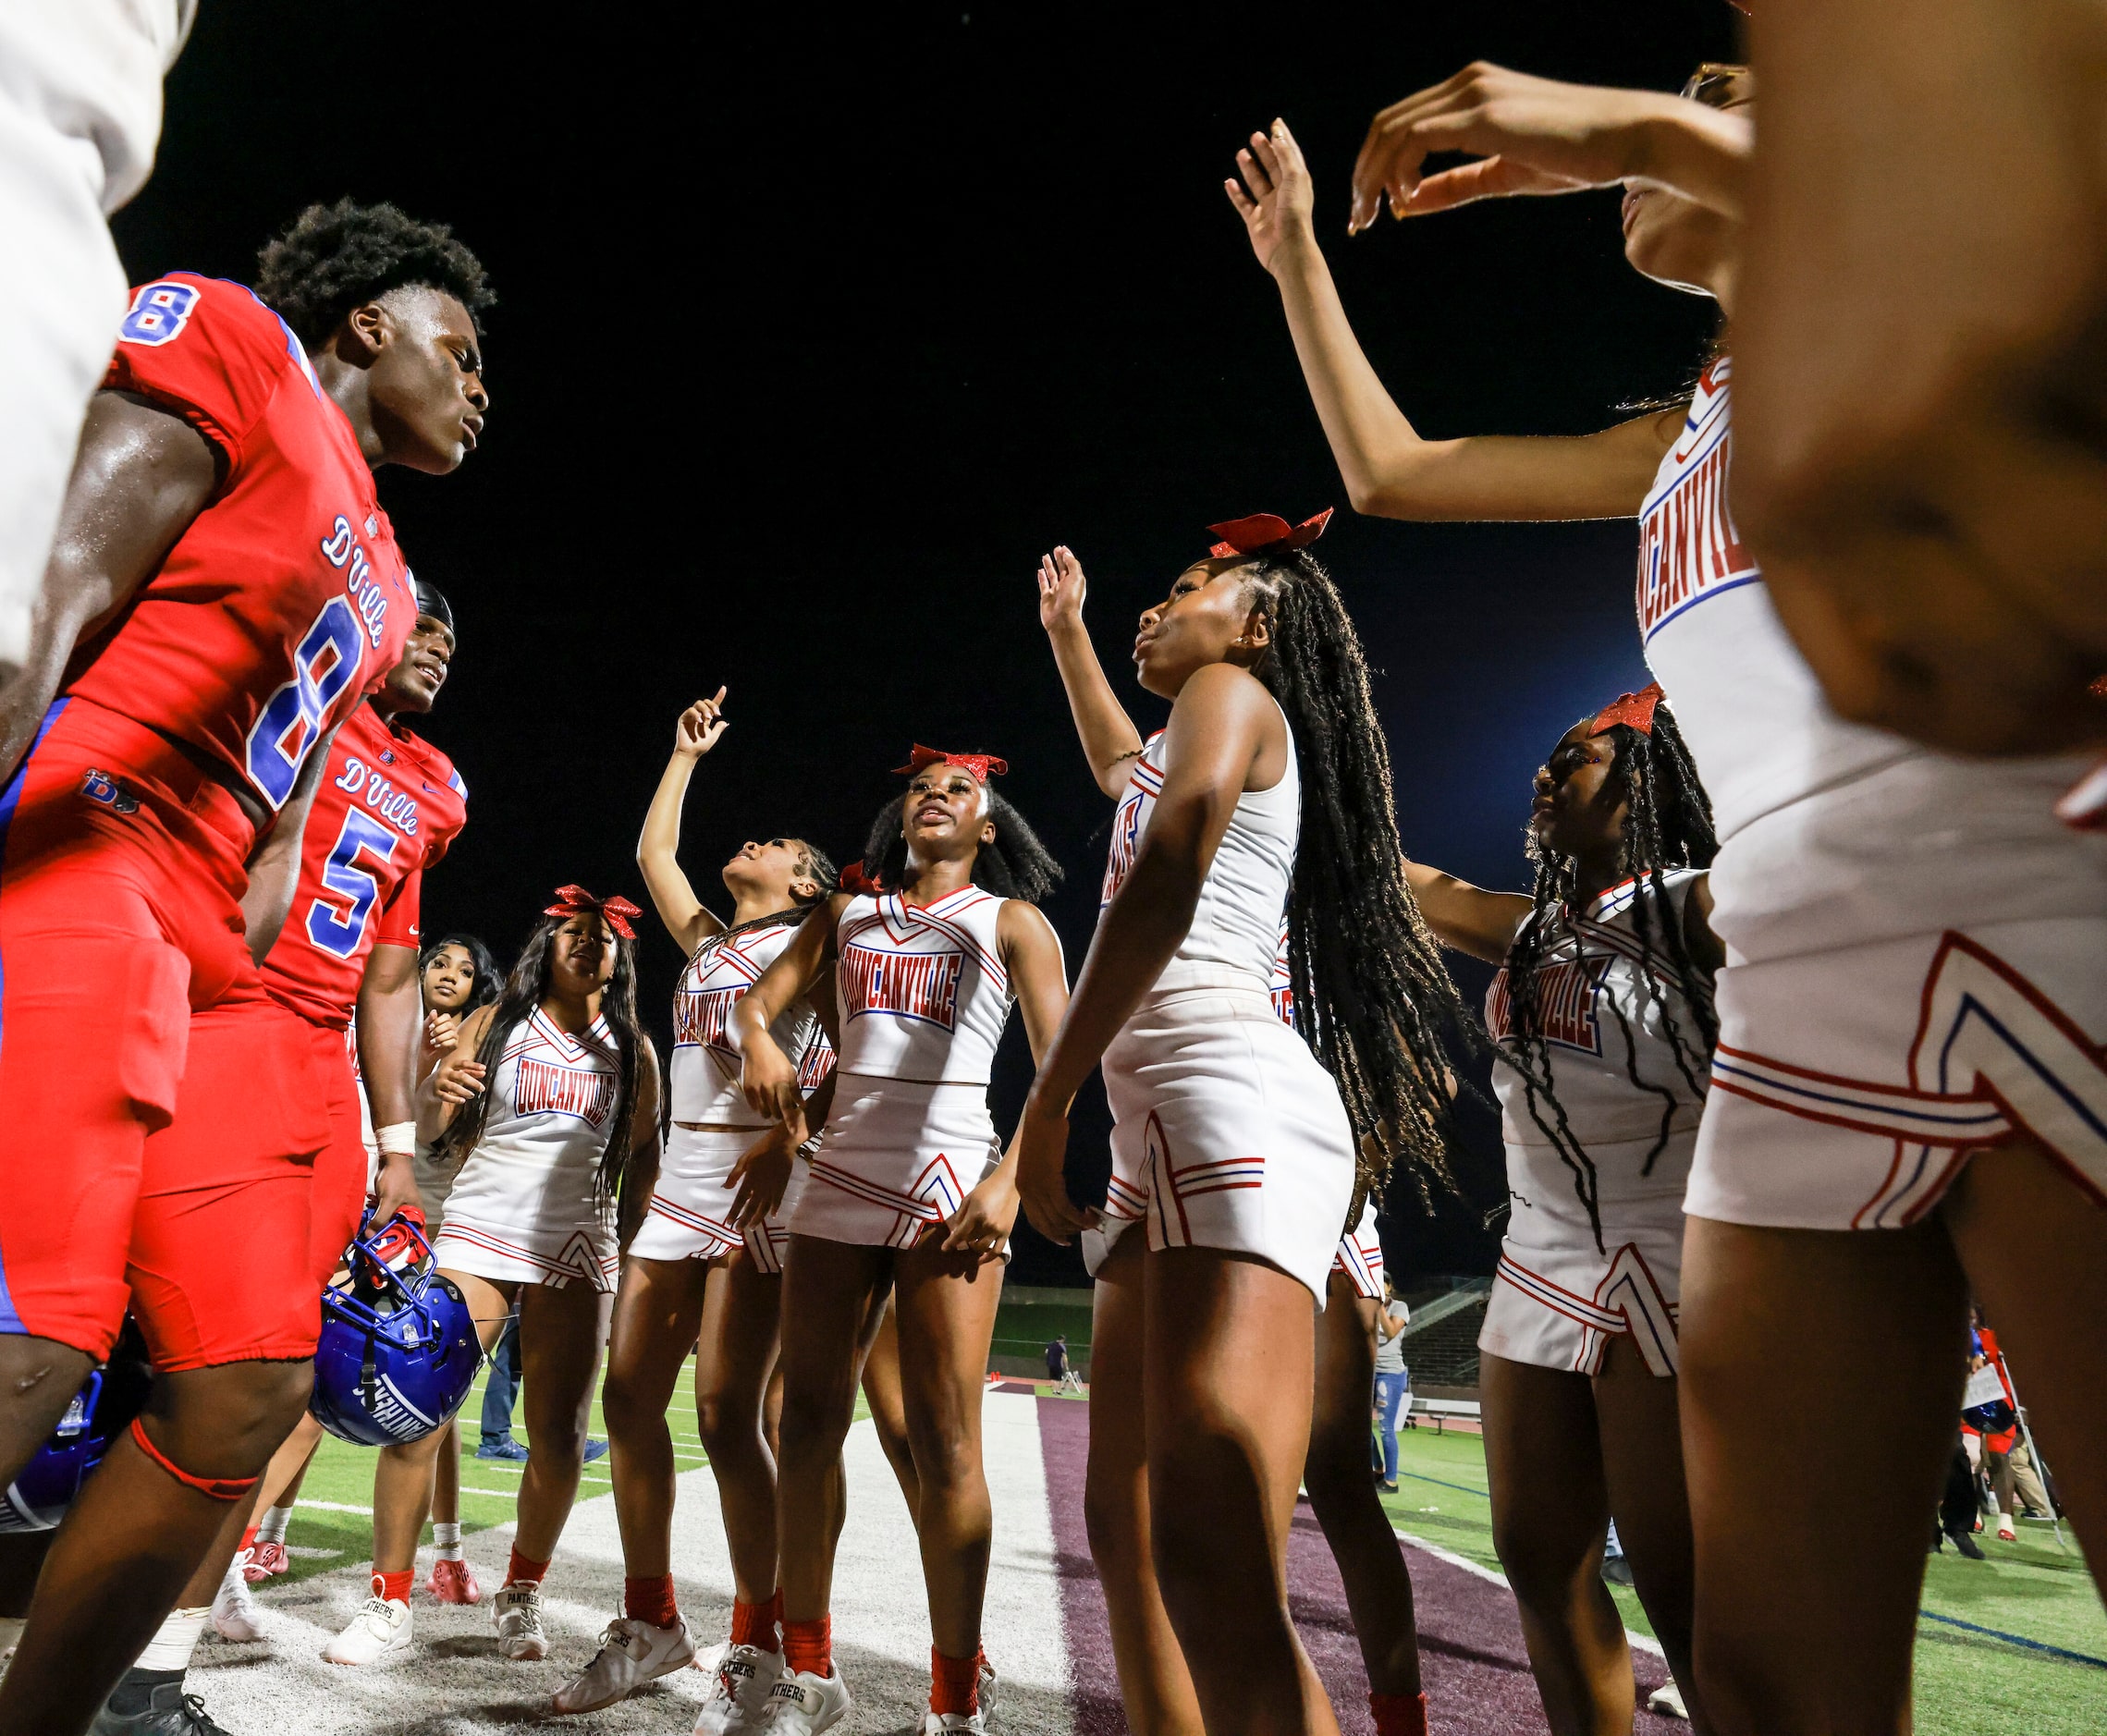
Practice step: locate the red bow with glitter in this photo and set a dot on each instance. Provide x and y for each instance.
(1634, 710)
(853, 879)
(577, 902)
(982, 765)
(1265, 534)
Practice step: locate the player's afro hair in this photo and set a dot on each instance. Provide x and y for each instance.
(335, 258)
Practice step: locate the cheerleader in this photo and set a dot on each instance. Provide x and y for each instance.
(908, 1184)
(1234, 1140)
(548, 1104)
(1908, 1098)
(1602, 1014)
(707, 1261)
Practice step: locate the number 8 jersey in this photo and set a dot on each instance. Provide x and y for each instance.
(286, 601)
(388, 806)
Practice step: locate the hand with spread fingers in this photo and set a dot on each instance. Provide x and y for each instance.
(1276, 197)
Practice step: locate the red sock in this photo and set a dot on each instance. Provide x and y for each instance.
(754, 1624)
(650, 1600)
(1399, 1713)
(524, 1571)
(955, 1683)
(808, 1646)
(395, 1587)
(248, 1539)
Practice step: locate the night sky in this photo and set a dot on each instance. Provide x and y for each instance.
(813, 335)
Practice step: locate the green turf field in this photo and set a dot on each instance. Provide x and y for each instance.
(1968, 1682)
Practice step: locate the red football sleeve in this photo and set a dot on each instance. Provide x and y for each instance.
(400, 915)
(206, 350)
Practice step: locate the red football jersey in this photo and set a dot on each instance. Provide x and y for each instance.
(287, 601)
(388, 806)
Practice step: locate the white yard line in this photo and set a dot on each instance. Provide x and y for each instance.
(1644, 1642)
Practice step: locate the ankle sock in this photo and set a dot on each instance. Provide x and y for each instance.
(134, 1693)
(270, 1527)
(174, 1641)
(247, 1542)
(523, 1570)
(395, 1587)
(652, 1600)
(447, 1538)
(754, 1624)
(808, 1646)
(1399, 1713)
(954, 1683)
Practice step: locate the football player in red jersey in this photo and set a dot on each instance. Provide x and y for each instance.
(223, 590)
(387, 806)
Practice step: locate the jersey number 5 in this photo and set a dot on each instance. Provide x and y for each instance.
(325, 660)
(339, 934)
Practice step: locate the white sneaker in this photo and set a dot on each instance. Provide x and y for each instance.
(1667, 1700)
(802, 1703)
(631, 1652)
(949, 1723)
(745, 1677)
(379, 1627)
(518, 1615)
(234, 1610)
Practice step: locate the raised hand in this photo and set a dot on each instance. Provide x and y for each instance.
(1532, 135)
(1276, 196)
(1061, 590)
(699, 725)
(442, 1031)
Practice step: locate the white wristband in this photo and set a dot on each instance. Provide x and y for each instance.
(398, 1139)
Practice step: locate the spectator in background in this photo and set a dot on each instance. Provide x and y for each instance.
(1393, 1380)
(500, 1392)
(1991, 1430)
(1057, 1360)
(2033, 1492)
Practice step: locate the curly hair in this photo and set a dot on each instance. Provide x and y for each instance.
(335, 258)
(1014, 864)
(1371, 993)
(1668, 825)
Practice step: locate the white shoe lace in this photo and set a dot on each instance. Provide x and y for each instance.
(524, 1610)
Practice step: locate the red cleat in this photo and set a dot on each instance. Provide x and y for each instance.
(454, 1582)
(264, 1560)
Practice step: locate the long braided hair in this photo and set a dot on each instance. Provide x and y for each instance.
(1371, 993)
(525, 989)
(819, 868)
(1013, 865)
(1668, 823)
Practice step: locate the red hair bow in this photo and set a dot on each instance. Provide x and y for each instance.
(853, 879)
(577, 902)
(1634, 710)
(982, 765)
(1264, 534)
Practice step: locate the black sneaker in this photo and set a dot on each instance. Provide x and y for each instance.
(1966, 1545)
(1616, 1570)
(168, 1712)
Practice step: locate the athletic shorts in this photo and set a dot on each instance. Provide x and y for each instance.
(1360, 1256)
(1227, 1134)
(342, 1179)
(690, 1207)
(221, 1268)
(121, 870)
(898, 1157)
(1917, 968)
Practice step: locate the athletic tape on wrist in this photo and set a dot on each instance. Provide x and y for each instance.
(398, 1139)
(218, 1488)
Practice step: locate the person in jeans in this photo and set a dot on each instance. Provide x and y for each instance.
(1393, 1382)
(501, 1393)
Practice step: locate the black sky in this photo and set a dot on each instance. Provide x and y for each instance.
(813, 335)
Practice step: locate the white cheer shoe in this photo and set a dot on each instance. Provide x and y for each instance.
(744, 1678)
(234, 1615)
(803, 1705)
(631, 1652)
(517, 1614)
(380, 1628)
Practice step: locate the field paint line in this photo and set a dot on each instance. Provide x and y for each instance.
(2016, 1639)
(1646, 1643)
(1483, 1495)
(333, 1507)
(501, 1494)
(307, 1552)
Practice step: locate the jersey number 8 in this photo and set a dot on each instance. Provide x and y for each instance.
(159, 314)
(325, 662)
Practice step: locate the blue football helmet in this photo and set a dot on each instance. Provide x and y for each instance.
(398, 1348)
(101, 1411)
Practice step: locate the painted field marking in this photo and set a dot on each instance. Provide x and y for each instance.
(2016, 1639)
(333, 1507)
(306, 1553)
(1644, 1643)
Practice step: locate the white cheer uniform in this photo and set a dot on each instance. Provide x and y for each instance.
(1606, 999)
(526, 1206)
(1227, 1133)
(1916, 950)
(80, 118)
(923, 996)
(713, 1126)
(1360, 1254)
